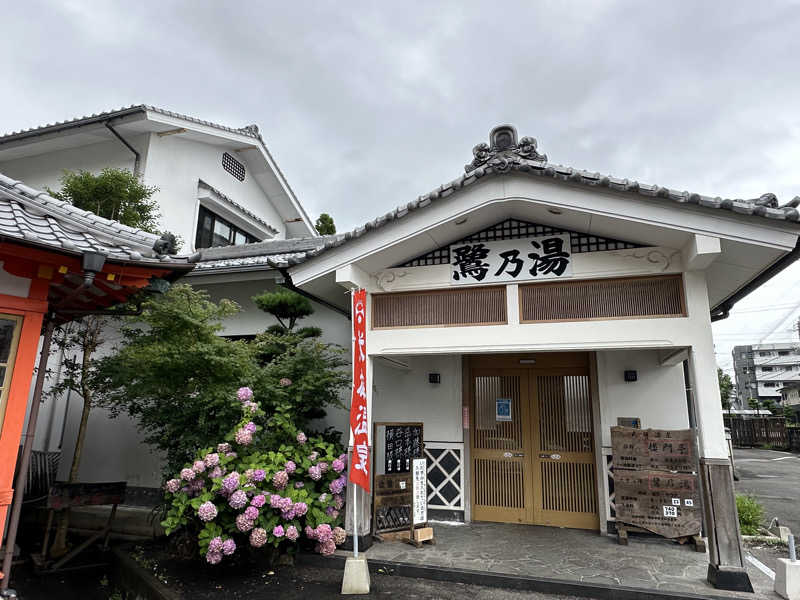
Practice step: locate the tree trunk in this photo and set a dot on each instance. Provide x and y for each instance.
(89, 344)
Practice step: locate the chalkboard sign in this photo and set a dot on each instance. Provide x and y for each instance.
(403, 443)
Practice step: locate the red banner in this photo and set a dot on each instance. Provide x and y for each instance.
(359, 421)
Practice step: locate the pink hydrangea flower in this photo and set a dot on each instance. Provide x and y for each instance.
(292, 533)
(323, 532)
(275, 501)
(285, 503)
(288, 515)
(343, 458)
(338, 501)
(211, 459)
(323, 497)
(215, 545)
(249, 407)
(301, 438)
(238, 499)
(187, 474)
(332, 512)
(314, 472)
(228, 547)
(313, 456)
(173, 485)
(258, 537)
(300, 508)
(215, 473)
(280, 479)
(290, 466)
(223, 448)
(244, 393)
(339, 536)
(299, 485)
(278, 531)
(326, 548)
(207, 511)
(251, 427)
(231, 454)
(310, 533)
(285, 382)
(258, 500)
(259, 475)
(323, 466)
(243, 524)
(213, 558)
(199, 466)
(251, 512)
(338, 465)
(243, 437)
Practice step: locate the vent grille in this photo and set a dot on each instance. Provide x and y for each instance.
(233, 166)
(512, 229)
(432, 308)
(624, 298)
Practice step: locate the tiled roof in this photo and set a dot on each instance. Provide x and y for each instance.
(271, 254)
(249, 130)
(239, 207)
(507, 155)
(34, 217)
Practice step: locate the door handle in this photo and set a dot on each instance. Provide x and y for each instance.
(513, 454)
(551, 456)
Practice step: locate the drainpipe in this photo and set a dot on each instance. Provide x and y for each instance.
(137, 157)
(288, 284)
(22, 471)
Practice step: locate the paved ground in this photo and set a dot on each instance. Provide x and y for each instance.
(566, 554)
(774, 478)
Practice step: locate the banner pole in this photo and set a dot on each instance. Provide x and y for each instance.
(355, 521)
(355, 487)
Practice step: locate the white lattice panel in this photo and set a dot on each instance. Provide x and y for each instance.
(445, 475)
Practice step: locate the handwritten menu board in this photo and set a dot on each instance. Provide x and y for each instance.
(665, 503)
(657, 449)
(403, 443)
(655, 484)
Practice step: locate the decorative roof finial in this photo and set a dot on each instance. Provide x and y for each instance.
(503, 150)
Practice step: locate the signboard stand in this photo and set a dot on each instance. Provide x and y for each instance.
(419, 531)
(656, 485)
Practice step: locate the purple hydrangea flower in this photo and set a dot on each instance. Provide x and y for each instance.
(211, 459)
(238, 499)
(173, 485)
(244, 393)
(339, 536)
(243, 524)
(313, 456)
(337, 485)
(326, 548)
(299, 485)
(290, 467)
(223, 448)
(259, 475)
(301, 438)
(207, 511)
(258, 537)
(231, 482)
(215, 473)
(280, 479)
(228, 547)
(338, 465)
(323, 532)
(251, 512)
(343, 458)
(258, 500)
(323, 466)
(278, 531)
(275, 501)
(198, 466)
(285, 382)
(251, 427)
(243, 436)
(332, 512)
(196, 486)
(215, 545)
(310, 533)
(300, 508)
(314, 472)
(292, 533)
(187, 474)
(213, 558)
(285, 503)
(338, 501)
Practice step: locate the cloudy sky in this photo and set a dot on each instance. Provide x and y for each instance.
(366, 106)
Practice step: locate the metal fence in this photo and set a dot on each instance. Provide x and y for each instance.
(760, 431)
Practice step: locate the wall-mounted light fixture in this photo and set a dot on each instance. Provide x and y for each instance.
(434, 378)
(631, 376)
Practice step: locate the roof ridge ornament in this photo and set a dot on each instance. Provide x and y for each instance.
(503, 150)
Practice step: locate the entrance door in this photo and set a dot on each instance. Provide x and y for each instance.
(533, 440)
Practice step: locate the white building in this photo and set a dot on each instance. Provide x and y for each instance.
(576, 301)
(763, 369)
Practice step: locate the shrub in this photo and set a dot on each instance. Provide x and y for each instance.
(751, 514)
(260, 487)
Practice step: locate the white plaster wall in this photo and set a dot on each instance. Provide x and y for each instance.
(658, 397)
(175, 165)
(45, 170)
(406, 396)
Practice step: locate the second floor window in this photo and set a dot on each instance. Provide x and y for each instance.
(213, 230)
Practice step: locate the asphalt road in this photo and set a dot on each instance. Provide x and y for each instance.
(774, 478)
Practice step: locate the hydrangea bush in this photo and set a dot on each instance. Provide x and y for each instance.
(260, 487)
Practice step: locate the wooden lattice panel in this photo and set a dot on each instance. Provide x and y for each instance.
(569, 487)
(589, 299)
(440, 308)
(500, 485)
